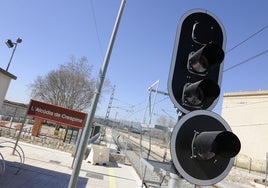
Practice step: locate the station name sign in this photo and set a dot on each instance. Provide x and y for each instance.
(57, 114)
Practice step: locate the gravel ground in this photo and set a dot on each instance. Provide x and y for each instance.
(237, 178)
(240, 178)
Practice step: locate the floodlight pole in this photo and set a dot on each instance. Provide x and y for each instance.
(86, 133)
(13, 51)
(175, 181)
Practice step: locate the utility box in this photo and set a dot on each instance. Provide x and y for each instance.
(99, 155)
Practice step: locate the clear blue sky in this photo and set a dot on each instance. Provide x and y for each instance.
(54, 30)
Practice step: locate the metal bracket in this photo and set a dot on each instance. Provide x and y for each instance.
(192, 145)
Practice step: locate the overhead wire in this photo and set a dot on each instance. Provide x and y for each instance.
(242, 42)
(228, 51)
(96, 27)
(251, 36)
(247, 60)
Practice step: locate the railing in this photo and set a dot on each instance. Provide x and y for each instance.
(19, 151)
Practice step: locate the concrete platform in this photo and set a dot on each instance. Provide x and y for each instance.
(46, 167)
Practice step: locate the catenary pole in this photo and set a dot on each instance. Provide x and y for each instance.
(86, 133)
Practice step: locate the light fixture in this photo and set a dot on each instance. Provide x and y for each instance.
(11, 44)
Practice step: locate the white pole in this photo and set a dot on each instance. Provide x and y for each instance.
(86, 133)
(174, 181)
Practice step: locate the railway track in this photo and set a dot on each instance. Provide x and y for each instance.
(134, 150)
(130, 145)
(135, 145)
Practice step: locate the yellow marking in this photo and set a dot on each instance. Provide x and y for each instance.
(112, 183)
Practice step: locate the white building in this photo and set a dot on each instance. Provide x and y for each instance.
(247, 114)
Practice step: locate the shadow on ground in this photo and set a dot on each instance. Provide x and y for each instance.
(35, 177)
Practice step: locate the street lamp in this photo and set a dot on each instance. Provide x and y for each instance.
(11, 44)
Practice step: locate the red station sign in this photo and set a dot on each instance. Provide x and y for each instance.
(57, 114)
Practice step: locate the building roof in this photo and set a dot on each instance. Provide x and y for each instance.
(15, 104)
(8, 74)
(246, 93)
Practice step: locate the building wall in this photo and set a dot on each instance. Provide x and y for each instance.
(247, 114)
(10, 108)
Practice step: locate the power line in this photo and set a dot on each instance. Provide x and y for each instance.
(95, 23)
(251, 36)
(143, 108)
(247, 60)
(240, 43)
(125, 103)
(161, 100)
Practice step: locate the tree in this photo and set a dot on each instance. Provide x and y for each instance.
(71, 85)
(162, 120)
(167, 121)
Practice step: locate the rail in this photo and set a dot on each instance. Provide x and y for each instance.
(150, 176)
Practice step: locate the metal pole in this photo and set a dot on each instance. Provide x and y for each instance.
(21, 128)
(86, 133)
(11, 55)
(161, 92)
(12, 118)
(76, 146)
(151, 109)
(266, 170)
(174, 181)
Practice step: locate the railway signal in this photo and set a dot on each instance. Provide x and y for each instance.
(197, 63)
(202, 147)
(202, 144)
